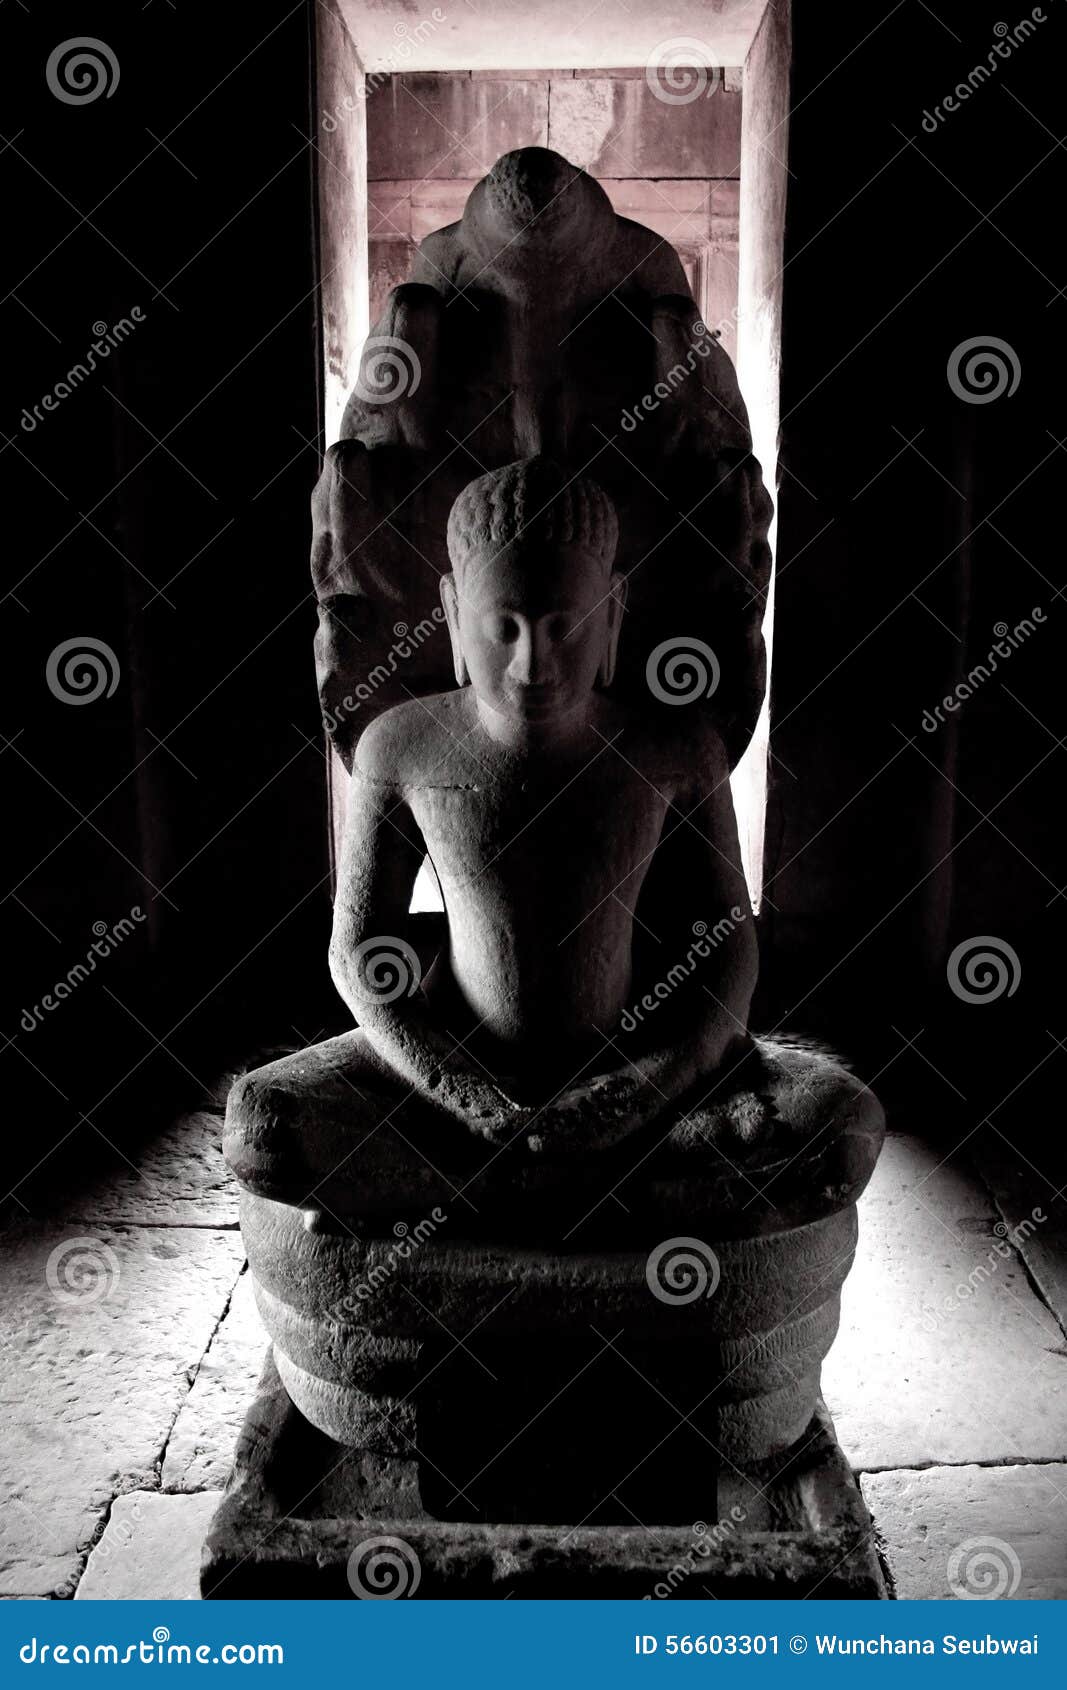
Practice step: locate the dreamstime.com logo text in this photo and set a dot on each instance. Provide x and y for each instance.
(703, 341)
(1004, 1249)
(158, 1650)
(705, 940)
(406, 642)
(120, 1534)
(1007, 40)
(407, 39)
(407, 1241)
(107, 939)
(1008, 640)
(707, 1538)
(108, 337)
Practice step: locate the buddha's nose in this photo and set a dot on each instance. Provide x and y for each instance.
(530, 666)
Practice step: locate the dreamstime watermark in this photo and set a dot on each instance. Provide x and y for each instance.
(680, 70)
(118, 1537)
(387, 968)
(156, 1651)
(107, 939)
(984, 969)
(983, 1569)
(82, 70)
(707, 1538)
(681, 670)
(983, 369)
(1007, 40)
(82, 1271)
(682, 1270)
(407, 1241)
(704, 340)
(108, 336)
(383, 1569)
(705, 941)
(1004, 1249)
(407, 641)
(1008, 640)
(81, 670)
(389, 370)
(407, 39)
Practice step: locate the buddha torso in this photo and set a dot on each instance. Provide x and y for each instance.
(541, 864)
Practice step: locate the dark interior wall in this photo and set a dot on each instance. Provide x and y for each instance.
(163, 508)
(914, 524)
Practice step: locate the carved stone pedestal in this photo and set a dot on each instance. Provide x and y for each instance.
(305, 1517)
(538, 1419)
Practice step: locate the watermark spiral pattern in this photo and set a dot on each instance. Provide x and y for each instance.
(82, 70)
(984, 1569)
(983, 369)
(679, 70)
(81, 670)
(984, 969)
(681, 670)
(383, 1569)
(82, 1270)
(388, 968)
(390, 370)
(682, 1270)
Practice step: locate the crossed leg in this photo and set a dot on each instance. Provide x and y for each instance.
(332, 1127)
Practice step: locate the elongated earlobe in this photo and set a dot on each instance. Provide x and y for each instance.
(615, 606)
(450, 601)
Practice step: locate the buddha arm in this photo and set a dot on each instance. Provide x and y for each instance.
(691, 1005)
(376, 970)
(710, 958)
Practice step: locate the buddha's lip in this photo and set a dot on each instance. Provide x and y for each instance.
(537, 700)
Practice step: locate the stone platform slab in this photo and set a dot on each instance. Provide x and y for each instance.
(283, 1532)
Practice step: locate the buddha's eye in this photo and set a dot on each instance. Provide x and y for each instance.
(506, 630)
(560, 628)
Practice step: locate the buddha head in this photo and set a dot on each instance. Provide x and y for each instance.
(534, 609)
(534, 198)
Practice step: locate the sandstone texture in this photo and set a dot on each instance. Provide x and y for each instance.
(945, 1354)
(973, 1533)
(103, 1328)
(150, 1550)
(200, 1451)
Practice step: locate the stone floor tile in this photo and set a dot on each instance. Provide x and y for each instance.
(150, 1550)
(176, 1178)
(102, 1329)
(945, 1354)
(1030, 1190)
(202, 1443)
(973, 1532)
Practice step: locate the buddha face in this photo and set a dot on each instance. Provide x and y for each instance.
(533, 630)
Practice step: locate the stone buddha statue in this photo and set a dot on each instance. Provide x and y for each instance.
(550, 1125)
(600, 957)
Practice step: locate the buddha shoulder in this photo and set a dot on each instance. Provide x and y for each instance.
(417, 744)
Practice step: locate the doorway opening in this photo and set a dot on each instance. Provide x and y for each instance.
(682, 122)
